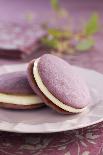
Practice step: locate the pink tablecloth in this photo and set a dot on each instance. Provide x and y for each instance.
(87, 141)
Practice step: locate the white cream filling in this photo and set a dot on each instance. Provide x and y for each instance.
(48, 94)
(20, 100)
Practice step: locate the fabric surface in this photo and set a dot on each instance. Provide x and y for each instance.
(87, 141)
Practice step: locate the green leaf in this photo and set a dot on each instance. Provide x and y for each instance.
(55, 32)
(85, 45)
(52, 43)
(58, 33)
(92, 26)
(55, 5)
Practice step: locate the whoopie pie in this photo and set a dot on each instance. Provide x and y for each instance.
(58, 84)
(16, 93)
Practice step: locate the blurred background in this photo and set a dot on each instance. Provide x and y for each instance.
(70, 29)
(17, 11)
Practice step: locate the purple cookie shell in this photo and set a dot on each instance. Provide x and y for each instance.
(15, 83)
(63, 82)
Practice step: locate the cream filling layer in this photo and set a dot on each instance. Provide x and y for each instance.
(46, 92)
(20, 100)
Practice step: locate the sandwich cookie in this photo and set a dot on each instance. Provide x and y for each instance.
(58, 85)
(16, 93)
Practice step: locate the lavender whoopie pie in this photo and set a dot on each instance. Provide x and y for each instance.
(58, 85)
(16, 93)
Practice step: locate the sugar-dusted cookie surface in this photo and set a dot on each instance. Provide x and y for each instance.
(16, 93)
(56, 82)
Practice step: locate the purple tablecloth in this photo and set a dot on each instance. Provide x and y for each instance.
(88, 141)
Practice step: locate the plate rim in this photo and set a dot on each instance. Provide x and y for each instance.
(17, 127)
(19, 130)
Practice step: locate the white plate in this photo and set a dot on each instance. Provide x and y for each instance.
(45, 120)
